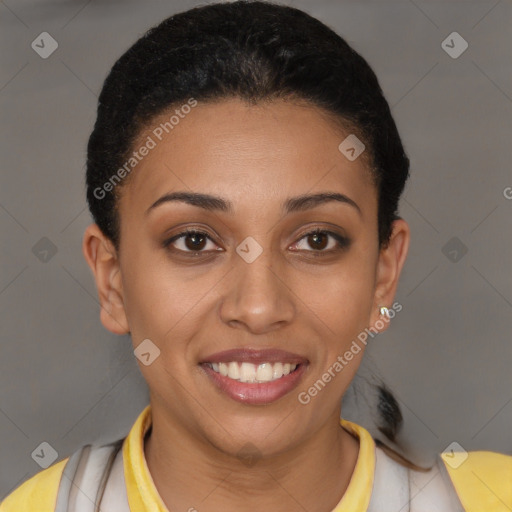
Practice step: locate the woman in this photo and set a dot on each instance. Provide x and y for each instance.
(244, 174)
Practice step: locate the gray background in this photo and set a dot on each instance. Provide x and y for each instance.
(67, 381)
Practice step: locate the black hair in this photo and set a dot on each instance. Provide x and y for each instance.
(256, 51)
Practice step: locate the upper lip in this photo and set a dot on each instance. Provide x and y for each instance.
(255, 356)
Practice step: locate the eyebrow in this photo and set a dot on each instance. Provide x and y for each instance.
(215, 203)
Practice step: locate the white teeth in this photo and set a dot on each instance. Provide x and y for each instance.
(278, 370)
(248, 372)
(264, 373)
(234, 371)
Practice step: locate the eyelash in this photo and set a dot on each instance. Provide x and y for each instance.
(342, 241)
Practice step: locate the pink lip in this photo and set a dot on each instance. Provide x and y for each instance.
(256, 393)
(258, 356)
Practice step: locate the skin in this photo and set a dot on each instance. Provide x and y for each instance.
(255, 156)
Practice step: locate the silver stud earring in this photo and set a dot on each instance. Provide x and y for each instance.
(384, 311)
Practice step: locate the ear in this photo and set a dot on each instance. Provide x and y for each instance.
(101, 256)
(391, 260)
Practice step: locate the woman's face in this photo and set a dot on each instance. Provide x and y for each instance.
(255, 288)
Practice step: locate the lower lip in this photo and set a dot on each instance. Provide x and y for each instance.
(256, 393)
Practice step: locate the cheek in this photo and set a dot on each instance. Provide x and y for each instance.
(342, 297)
(168, 304)
(151, 297)
(163, 302)
(340, 305)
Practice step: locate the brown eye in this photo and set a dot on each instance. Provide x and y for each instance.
(195, 241)
(190, 241)
(320, 241)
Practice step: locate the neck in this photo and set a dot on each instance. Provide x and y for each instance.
(190, 475)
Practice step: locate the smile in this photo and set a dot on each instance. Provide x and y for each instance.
(253, 373)
(254, 376)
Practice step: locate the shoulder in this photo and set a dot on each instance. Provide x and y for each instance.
(482, 479)
(396, 487)
(85, 470)
(474, 482)
(38, 493)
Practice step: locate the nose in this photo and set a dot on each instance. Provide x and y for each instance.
(257, 298)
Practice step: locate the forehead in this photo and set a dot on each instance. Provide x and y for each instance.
(259, 152)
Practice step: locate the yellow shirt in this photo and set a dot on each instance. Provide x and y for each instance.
(483, 482)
